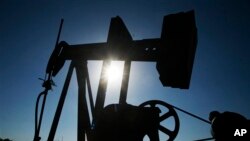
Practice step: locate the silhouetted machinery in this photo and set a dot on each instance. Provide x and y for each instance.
(174, 54)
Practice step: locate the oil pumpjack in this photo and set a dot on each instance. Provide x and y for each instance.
(173, 53)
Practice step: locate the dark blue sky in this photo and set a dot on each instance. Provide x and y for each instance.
(28, 29)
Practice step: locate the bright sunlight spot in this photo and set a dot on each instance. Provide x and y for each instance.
(113, 74)
(114, 71)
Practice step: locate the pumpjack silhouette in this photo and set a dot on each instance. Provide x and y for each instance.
(173, 53)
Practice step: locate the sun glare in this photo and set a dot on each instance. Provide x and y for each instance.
(114, 71)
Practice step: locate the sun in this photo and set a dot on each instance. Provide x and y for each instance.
(114, 71)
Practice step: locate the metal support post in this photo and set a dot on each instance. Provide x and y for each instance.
(60, 104)
(125, 81)
(83, 124)
(101, 93)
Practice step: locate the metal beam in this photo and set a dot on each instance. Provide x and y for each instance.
(140, 50)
